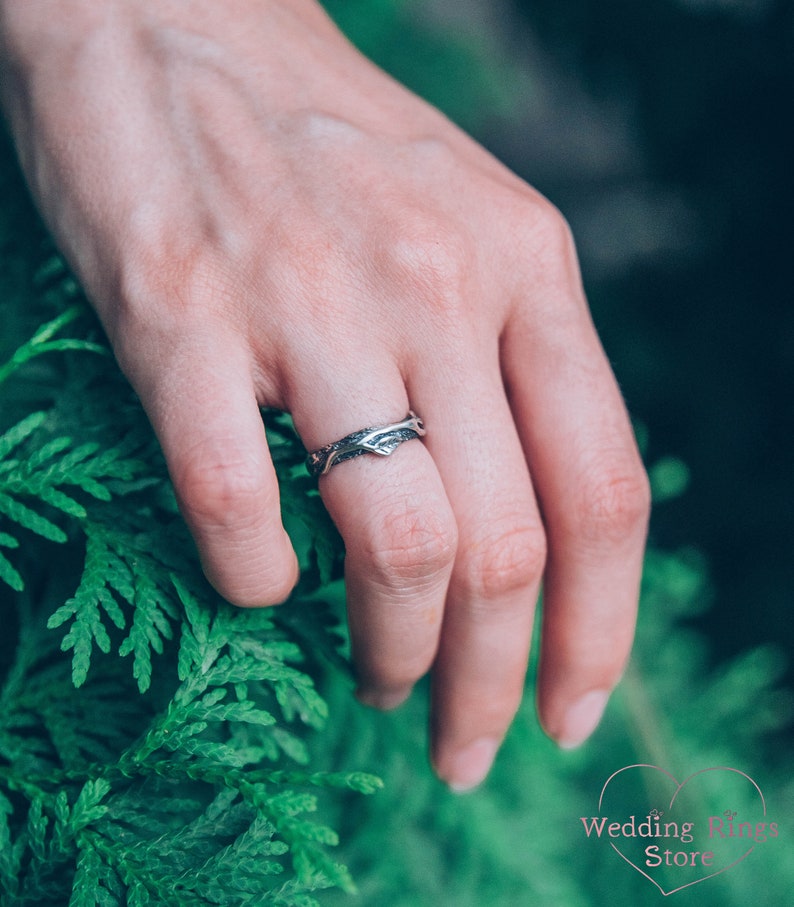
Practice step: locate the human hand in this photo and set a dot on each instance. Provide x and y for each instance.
(263, 218)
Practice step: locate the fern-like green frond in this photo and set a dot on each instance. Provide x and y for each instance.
(42, 342)
(35, 472)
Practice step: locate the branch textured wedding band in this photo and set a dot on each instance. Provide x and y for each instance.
(382, 440)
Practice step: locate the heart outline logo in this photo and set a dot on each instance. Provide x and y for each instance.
(679, 787)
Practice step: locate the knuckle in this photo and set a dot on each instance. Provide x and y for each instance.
(220, 488)
(615, 501)
(550, 228)
(229, 509)
(167, 297)
(430, 257)
(507, 562)
(168, 274)
(156, 266)
(547, 252)
(415, 546)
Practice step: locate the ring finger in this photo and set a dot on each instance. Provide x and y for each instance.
(397, 525)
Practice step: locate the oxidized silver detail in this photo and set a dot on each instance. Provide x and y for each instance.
(382, 440)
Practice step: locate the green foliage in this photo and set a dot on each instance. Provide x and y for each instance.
(186, 795)
(180, 775)
(222, 761)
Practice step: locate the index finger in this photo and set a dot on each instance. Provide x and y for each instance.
(200, 398)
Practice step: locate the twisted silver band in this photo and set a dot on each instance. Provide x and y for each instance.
(382, 440)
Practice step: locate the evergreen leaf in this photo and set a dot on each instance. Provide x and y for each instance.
(88, 807)
(20, 432)
(245, 712)
(151, 626)
(120, 568)
(87, 627)
(10, 852)
(47, 451)
(291, 745)
(195, 630)
(29, 519)
(62, 828)
(37, 826)
(9, 574)
(56, 498)
(86, 890)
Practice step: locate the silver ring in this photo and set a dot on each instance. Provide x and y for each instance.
(382, 440)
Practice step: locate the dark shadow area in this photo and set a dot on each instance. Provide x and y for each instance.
(662, 133)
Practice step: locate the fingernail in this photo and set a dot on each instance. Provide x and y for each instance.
(468, 767)
(383, 699)
(582, 718)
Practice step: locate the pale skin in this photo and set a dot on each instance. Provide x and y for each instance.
(261, 218)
